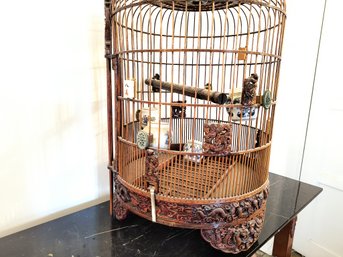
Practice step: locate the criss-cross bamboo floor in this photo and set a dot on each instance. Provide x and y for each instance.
(213, 177)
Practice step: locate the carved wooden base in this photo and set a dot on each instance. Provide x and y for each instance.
(230, 226)
(234, 239)
(119, 211)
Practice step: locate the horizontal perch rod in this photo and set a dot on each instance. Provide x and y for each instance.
(199, 93)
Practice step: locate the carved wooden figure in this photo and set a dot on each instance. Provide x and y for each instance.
(249, 90)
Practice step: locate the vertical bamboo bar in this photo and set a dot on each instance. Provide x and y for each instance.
(207, 179)
(108, 52)
(225, 174)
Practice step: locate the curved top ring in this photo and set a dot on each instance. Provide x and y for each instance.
(203, 5)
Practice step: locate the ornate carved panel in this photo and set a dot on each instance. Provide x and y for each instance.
(194, 215)
(217, 138)
(234, 239)
(119, 210)
(151, 170)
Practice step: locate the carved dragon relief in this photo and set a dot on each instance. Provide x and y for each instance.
(228, 212)
(119, 210)
(196, 213)
(121, 195)
(234, 239)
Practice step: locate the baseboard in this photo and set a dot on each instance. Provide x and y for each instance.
(314, 249)
(53, 216)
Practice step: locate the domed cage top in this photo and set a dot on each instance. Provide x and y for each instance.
(195, 95)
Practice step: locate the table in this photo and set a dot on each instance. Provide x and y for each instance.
(92, 232)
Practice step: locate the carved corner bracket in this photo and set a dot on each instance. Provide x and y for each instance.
(121, 195)
(234, 239)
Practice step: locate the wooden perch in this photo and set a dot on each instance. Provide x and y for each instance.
(199, 93)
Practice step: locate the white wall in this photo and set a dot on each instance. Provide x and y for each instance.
(319, 228)
(296, 79)
(318, 232)
(53, 150)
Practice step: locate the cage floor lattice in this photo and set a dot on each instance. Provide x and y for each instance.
(179, 177)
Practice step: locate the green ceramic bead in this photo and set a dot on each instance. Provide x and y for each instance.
(267, 99)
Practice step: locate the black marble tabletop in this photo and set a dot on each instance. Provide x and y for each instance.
(92, 232)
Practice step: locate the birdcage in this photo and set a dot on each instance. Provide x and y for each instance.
(193, 95)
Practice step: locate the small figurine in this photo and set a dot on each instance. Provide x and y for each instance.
(157, 77)
(249, 90)
(179, 111)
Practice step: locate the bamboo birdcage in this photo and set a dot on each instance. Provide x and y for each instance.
(195, 86)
